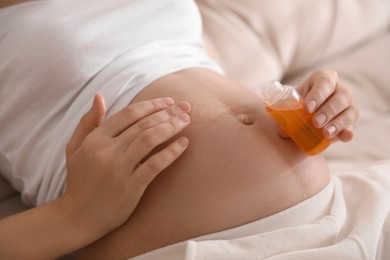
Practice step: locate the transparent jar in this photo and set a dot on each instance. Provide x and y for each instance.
(285, 105)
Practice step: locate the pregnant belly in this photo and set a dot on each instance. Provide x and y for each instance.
(236, 170)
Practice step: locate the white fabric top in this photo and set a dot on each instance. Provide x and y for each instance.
(348, 220)
(55, 55)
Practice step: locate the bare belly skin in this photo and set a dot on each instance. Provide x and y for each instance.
(236, 170)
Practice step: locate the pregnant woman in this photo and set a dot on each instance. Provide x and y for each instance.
(147, 61)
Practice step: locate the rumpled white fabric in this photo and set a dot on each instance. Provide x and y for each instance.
(55, 55)
(347, 220)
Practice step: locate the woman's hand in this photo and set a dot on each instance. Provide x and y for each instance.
(106, 178)
(332, 103)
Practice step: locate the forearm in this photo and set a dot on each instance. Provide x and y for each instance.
(45, 232)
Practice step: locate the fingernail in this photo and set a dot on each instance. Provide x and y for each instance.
(330, 131)
(183, 142)
(311, 105)
(184, 117)
(168, 101)
(320, 119)
(184, 106)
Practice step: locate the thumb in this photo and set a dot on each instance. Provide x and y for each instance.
(90, 120)
(283, 134)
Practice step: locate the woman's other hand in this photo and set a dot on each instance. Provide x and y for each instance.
(106, 178)
(332, 104)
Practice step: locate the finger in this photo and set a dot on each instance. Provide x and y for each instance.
(283, 134)
(131, 114)
(346, 135)
(322, 84)
(92, 119)
(153, 137)
(128, 136)
(341, 122)
(336, 104)
(147, 171)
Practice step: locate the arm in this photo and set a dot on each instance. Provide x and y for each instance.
(45, 232)
(105, 179)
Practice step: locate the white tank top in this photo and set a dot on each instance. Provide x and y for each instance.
(55, 55)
